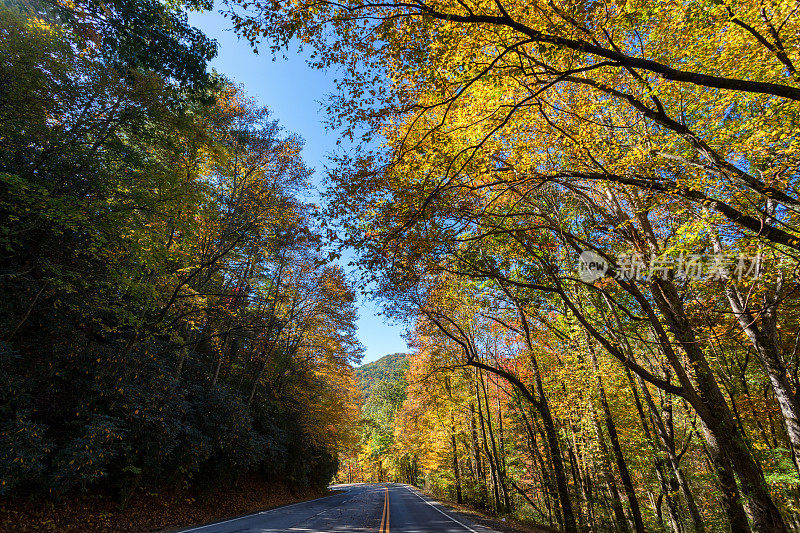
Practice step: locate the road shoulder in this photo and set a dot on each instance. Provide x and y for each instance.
(468, 515)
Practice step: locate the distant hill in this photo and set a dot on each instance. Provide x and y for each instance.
(386, 368)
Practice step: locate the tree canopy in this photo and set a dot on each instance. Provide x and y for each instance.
(586, 212)
(505, 141)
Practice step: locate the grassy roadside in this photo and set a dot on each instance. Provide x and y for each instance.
(504, 524)
(147, 511)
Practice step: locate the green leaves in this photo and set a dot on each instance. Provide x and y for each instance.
(166, 300)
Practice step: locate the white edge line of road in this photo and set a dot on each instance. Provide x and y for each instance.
(465, 526)
(198, 528)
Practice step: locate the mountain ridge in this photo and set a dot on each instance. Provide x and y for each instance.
(385, 368)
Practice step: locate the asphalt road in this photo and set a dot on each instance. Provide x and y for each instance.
(381, 508)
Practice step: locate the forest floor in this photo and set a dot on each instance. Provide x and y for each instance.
(146, 511)
(503, 524)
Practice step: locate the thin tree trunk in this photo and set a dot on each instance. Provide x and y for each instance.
(499, 481)
(502, 451)
(768, 353)
(622, 465)
(668, 483)
(544, 469)
(663, 428)
(548, 424)
(489, 458)
(220, 359)
(577, 474)
(476, 452)
(455, 458)
(616, 501)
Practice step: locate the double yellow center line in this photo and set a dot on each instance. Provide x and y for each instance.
(385, 518)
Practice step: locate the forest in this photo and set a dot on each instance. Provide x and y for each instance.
(168, 317)
(588, 211)
(585, 212)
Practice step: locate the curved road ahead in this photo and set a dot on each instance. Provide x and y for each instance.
(382, 508)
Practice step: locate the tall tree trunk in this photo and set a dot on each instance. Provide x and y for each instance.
(555, 456)
(765, 341)
(622, 465)
(611, 484)
(267, 356)
(548, 487)
(706, 399)
(489, 458)
(769, 355)
(669, 486)
(666, 478)
(717, 418)
(589, 491)
(502, 451)
(548, 424)
(476, 452)
(499, 475)
(578, 475)
(456, 473)
(663, 429)
(220, 359)
(727, 484)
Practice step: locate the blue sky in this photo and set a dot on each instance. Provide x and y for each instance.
(294, 92)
